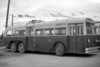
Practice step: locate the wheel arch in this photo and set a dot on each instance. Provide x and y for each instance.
(10, 44)
(53, 48)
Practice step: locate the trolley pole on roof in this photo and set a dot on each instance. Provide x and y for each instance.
(7, 16)
(12, 19)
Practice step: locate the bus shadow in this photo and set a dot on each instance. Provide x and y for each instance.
(78, 55)
(65, 55)
(39, 53)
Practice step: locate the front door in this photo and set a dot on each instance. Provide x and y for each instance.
(80, 39)
(75, 38)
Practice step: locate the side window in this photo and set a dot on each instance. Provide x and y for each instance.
(30, 31)
(60, 31)
(21, 32)
(89, 28)
(95, 29)
(49, 31)
(15, 33)
(9, 33)
(72, 29)
(39, 32)
(80, 29)
(99, 30)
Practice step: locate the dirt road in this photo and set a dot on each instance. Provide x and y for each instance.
(37, 59)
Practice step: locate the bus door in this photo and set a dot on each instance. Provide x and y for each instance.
(80, 38)
(29, 33)
(75, 38)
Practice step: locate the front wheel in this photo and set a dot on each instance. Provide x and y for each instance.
(59, 49)
(21, 48)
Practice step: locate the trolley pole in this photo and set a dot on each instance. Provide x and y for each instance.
(12, 19)
(7, 16)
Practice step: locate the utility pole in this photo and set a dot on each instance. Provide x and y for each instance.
(12, 19)
(7, 16)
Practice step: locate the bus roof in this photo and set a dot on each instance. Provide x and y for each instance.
(74, 20)
(52, 23)
(16, 27)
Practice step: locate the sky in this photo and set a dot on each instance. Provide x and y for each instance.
(42, 9)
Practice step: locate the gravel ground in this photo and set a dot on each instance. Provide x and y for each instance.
(37, 59)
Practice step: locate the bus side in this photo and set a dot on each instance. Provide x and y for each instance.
(46, 43)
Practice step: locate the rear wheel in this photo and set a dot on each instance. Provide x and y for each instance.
(21, 48)
(13, 47)
(59, 49)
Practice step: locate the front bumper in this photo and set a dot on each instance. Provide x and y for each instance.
(92, 50)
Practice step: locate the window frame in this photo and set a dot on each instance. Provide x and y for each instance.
(10, 34)
(40, 32)
(61, 34)
(50, 31)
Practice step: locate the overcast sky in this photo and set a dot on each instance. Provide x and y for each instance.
(43, 7)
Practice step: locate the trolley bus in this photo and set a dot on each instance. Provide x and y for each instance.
(60, 36)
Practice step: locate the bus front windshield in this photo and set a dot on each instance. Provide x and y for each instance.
(89, 27)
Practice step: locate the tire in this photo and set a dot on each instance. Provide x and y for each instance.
(59, 49)
(13, 47)
(21, 48)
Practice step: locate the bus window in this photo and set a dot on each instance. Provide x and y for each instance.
(29, 31)
(39, 31)
(49, 31)
(21, 32)
(9, 33)
(89, 28)
(97, 30)
(60, 31)
(72, 29)
(79, 29)
(15, 33)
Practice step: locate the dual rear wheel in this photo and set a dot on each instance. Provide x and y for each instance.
(20, 48)
(13, 47)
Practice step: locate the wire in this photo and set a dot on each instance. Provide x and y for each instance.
(17, 9)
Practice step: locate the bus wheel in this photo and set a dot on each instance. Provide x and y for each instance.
(21, 48)
(13, 47)
(59, 49)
